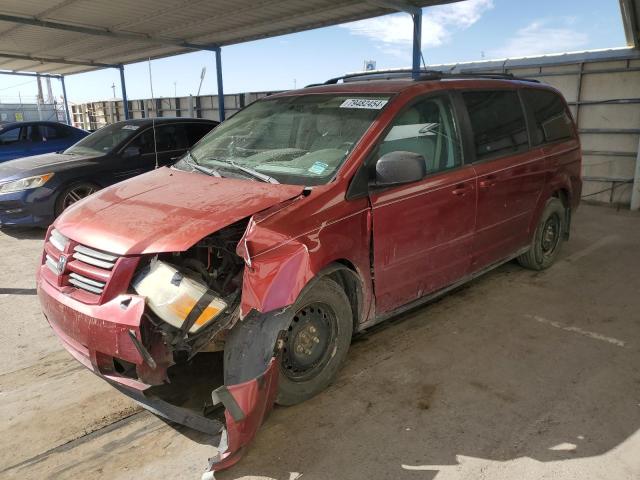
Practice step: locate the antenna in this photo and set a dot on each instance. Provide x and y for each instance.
(153, 119)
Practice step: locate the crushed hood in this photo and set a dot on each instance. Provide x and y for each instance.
(166, 210)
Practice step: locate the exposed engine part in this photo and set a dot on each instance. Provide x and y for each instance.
(179, 300)
(194, 296)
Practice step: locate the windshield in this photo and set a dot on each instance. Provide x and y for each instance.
(300, 140)
(104, 140)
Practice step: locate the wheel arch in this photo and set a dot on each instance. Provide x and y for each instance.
(346, 275)
(62, 188)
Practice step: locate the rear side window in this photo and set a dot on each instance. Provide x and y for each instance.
(551, 119)
(497, 121)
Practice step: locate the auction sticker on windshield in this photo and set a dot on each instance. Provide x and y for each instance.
(368, 103)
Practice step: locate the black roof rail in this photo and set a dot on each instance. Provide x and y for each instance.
(422, 75)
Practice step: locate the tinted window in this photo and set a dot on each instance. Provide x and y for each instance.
(31, 133)
(551, 120)
(427, 128)
(10, 136)
(168, 138)
(497, 121)
(51, 132)
(195, 131)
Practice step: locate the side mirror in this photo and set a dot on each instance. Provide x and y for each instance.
(396, 168)
(131, 152)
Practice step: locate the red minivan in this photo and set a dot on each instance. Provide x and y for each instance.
(236, 278)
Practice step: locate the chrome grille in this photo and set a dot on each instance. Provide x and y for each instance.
(58, 240)
(52, 264)
(94, 257)
(85, 283)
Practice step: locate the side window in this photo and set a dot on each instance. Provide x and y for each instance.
(195, 131)
(171, 137)
(168, 138)
(551, 119)
(10, 136)
(429, 129)
(30, 133)
(497, 122)
(52, 132)
(144, 142)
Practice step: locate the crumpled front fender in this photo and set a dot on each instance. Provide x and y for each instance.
(276, 278)
(251, 372)
(246, 406)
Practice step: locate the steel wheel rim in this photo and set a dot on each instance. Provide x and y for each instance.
(76, 194)
(309, 341)
(550, 235)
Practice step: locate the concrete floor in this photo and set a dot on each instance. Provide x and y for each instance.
(518, 375)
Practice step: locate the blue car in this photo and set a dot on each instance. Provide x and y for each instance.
(23, 139)
(35, 190)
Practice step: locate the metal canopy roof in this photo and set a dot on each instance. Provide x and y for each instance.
(73, 36)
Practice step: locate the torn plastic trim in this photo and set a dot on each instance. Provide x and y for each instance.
(171, 412)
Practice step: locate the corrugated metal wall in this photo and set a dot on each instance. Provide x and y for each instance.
(97, 114)
(603, 92)
(16, 112)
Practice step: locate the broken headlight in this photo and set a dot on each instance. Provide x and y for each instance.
(176, 298)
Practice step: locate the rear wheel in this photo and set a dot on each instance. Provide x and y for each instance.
(547, 239)
(74, 193)
(316, 342)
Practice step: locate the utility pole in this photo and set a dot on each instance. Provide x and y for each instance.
(175, 91)
(113, 87)
(202, 74)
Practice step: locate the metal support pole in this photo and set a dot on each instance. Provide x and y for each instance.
(635, 193)
(64, 97)
(123, 85)
(219, 81)
(417, 42)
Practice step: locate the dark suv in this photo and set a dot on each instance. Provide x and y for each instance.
(242, 272)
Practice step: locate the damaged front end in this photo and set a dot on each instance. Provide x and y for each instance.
(174, 341)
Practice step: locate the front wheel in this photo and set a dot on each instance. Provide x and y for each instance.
(316, 342)
(74, 193)
(547, 238)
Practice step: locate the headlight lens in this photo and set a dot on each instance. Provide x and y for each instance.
(25, 183)
(172, 295)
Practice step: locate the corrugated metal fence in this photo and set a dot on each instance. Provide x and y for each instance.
(94, 115)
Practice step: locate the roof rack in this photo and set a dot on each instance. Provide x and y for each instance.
(422, 75)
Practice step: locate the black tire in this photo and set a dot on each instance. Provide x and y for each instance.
(547, 238)
(316, 343)
(67, 198)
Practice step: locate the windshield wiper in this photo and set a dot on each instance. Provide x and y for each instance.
(196, 166)
(260, 176)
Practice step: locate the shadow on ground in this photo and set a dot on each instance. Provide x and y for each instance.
(24, 233)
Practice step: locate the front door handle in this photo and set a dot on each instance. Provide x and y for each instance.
(460, 189)
(487, 182)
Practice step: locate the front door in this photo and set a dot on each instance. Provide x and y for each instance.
(422, 232)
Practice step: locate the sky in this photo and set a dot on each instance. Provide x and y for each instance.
(465, 31)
